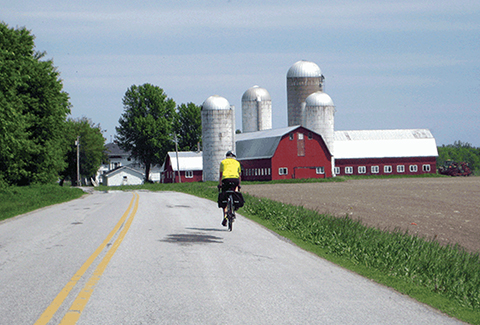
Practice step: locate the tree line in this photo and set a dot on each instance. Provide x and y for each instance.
(460, 152)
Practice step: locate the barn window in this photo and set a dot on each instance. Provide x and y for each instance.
(336, 170)
(269, 171)
(413, 168)
(300, 136)
(291, 136)
(426, 168)
(362, 169)
(283, 171)
(189, 174)
(348, 170)
(400, 169)
(387, 169)
(375, 169)
(320, 170)
(310, 136)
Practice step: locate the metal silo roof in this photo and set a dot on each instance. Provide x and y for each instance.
(319, 98)
(215, 103)
(302, 69)
(384, 143)
(256, 93)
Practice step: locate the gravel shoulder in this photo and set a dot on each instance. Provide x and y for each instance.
(442, 208)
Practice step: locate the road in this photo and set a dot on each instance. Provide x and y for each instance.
(164, 258)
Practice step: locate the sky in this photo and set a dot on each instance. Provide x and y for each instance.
(387, 64)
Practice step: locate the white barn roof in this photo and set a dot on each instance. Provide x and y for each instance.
(384, 143)
(188, 160)
(260, 144)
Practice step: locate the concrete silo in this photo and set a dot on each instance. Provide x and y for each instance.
(256, 110)
(319, 116)
(303, 78)
(218, 134)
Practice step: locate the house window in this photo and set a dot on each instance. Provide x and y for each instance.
(374, 169)
(189, 174)
(362, 169)
(413, 168)
(400, 169)
(336, 170)
(348, 170)
(291, 136)
(283, 171)
(426, 168)
(387, 169)
(320, 170)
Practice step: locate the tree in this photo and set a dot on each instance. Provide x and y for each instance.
(146, 125)
(33, 111)
(91, 151)
(188, 126)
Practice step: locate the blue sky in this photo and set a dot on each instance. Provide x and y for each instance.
(387, 64)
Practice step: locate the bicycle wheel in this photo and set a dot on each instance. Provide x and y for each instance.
(230, 212)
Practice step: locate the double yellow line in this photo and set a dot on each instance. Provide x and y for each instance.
(75, 310)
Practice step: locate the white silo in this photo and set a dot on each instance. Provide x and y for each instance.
(218, 134)
(256, 110)
(319, 116)
(303, 79)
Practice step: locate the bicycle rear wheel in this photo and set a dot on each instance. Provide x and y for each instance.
(230, 212)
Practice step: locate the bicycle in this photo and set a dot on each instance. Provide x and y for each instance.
(232, 202)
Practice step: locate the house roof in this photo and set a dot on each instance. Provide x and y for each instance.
(127, 169)
(384, 143)
(114, 150)
(188, 160)
(260, 144)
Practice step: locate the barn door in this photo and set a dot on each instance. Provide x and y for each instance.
(300, 145)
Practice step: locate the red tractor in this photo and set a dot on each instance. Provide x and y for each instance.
(453, 168)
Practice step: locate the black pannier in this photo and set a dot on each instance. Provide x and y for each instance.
(238, 200)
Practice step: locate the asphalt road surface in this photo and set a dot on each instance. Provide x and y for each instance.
(163, 258)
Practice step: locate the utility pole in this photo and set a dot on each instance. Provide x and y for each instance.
(178, 163)
(77, 143)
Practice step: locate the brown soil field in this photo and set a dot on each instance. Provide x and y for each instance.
(446, 209)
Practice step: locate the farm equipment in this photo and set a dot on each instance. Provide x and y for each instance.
(453, 168)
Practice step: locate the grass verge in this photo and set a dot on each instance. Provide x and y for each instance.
(18, 200)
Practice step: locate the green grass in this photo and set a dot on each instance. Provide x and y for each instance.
(18, 200)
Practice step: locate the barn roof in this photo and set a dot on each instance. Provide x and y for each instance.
(384, 143)
(260, 144)
(188, 160)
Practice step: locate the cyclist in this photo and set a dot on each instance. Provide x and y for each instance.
(230, 171)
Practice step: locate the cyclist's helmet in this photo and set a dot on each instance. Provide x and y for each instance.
(230, 154)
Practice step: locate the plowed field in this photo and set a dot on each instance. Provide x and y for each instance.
(446, 209)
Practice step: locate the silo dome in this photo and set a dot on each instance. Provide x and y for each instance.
(319, 98)
(215, 102)
(218, 134)
(256, 110)
(304, 69)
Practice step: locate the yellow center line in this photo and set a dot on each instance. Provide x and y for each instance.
(60, 298)
(72, 316)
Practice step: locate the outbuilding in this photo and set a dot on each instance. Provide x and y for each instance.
(385, 152)
(189, 163)
(124, 175)
(294, 152)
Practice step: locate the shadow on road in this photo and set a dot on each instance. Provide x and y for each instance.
(191, 239)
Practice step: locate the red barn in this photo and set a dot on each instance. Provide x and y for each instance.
(292, 152)
(190, 165)
(385, 152)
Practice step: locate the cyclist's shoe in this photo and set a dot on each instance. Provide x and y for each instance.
(224, 222)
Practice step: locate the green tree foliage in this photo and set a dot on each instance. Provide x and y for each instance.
(459, 151)
(33, 110)
(91, 150)
(188, 126)
(146, 126)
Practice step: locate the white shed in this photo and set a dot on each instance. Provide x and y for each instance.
(123, 176)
